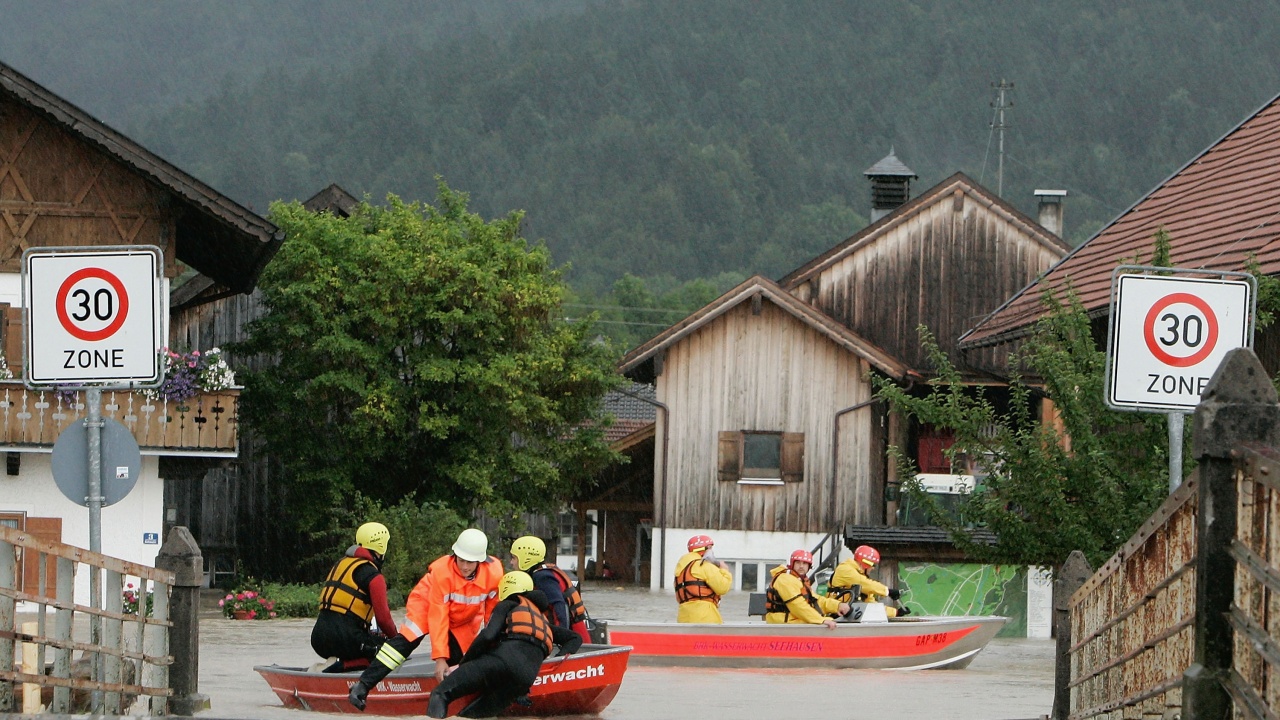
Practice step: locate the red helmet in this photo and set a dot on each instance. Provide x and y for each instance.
(803, 556)
(866, 556)
(700, 542)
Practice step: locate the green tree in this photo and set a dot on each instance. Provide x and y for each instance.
(419, 353)
(1084, 485)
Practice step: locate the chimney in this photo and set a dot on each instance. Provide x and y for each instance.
(1050, 213)
(890, 185)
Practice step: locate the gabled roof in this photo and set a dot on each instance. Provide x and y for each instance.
(217, 236)
(758, 286)
(1219, 208)
(958, 182)
(334, 199)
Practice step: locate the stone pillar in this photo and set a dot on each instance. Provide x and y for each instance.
(1239, 406)
(1070, 577)
(181, 556)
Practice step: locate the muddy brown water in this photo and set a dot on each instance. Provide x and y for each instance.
(1010, 679)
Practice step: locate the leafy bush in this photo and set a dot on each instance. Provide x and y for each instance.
(420, 533)
(294, 600)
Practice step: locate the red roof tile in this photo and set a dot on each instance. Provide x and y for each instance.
(1221, 207)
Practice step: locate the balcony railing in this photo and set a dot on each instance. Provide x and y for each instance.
(206, 424)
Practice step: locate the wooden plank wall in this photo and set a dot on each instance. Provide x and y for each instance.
(59, 191)
(233, 500)
(946, 267)
(766, 372)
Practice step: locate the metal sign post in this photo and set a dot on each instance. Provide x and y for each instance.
(92, 316)
(1169, 331)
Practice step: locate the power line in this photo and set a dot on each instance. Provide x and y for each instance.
(626, 307)
(620, 322)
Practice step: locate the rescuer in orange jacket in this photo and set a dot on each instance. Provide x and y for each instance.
(504, 660)
(700, 582)
(790, 598)
(450, 603)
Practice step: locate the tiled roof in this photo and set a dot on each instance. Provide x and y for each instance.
(623, 427)
(1221, 207)
(628, 405)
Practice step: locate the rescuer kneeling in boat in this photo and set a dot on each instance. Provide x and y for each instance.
(354, 593)
(529, 554)
(853, 572)
(450, 603)
(790, 598)
(504, 660)
(701, 580)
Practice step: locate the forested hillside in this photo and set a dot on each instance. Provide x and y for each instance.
(688, 140)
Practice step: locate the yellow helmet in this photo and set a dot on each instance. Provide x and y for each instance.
(528, 551)
(516, 581)
(374, 536)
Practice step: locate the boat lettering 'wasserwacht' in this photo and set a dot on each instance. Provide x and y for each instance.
(583, 683)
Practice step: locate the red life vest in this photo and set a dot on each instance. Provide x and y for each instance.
(689, 587)
(526, 622)
(572, 596)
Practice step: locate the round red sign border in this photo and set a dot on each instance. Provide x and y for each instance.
(1148, 329)
(65, 289)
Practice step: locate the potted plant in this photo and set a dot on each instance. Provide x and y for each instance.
(247, 605)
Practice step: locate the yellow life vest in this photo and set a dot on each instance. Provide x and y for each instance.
(340, 592)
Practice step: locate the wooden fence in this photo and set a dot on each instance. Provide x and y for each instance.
(1184, 621)
(123, 654)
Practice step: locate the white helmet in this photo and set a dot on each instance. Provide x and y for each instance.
(472, 545)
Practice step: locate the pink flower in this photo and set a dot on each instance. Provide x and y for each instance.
(273, 614)
(230, 596)
(240, 596)
(253, 614)
(249, 594)
(221, 602)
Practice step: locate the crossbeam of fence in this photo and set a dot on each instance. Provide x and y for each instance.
(124, 655)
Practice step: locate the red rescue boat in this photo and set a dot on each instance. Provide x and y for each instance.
(902, 643)
(583, 683)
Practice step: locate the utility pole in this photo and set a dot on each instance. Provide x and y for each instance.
(999, 125)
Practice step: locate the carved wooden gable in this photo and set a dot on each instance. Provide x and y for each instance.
(56, 190)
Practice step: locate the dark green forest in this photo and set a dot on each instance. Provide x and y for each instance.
(676, 146)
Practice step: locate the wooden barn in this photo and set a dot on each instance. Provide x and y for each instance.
(67, 180)
(770, 440)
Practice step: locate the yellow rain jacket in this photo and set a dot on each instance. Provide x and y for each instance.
(719, 580)
(795, 592)
(848, 574)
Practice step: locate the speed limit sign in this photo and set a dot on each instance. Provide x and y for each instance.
(1169, 333)
(93, 315)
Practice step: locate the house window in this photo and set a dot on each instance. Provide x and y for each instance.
(752, 457)
(567, 524)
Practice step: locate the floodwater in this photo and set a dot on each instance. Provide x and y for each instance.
(1012, 679)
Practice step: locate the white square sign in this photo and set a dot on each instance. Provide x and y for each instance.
(92, 315)
(1168, 336)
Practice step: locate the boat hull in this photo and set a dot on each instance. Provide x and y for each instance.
(905, 644)
(583, 683)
